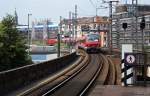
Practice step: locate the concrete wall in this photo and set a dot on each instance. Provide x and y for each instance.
(16, 78)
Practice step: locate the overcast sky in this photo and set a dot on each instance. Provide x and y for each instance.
(41, 9)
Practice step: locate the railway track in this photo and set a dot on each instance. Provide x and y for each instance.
(78, 79)
(107, 76)
(100, 69)
(76, 85)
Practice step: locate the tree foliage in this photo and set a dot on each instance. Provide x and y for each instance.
(12, 45)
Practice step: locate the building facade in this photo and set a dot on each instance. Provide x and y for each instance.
(44, 29)
(86, 25)
(132, 34)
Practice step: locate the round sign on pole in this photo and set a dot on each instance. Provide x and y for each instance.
(130, 59)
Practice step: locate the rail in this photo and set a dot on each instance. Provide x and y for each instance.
(99, 69)
(52, 81)
(78, 74)
(77, 81)
(107, 75)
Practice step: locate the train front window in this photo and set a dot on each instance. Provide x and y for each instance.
(92, 37)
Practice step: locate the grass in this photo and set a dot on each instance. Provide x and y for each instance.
(62, 45)
(39, 42)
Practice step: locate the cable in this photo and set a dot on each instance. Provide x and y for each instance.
(84, 12)
(92, 3)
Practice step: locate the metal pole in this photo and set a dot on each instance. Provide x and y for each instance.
(132, 25)
(144, 57)
(75, 22)
(96, 11)
(58, 38)
(136, 29)
(142, 25)
(144, 73)
(124, 36)
(135, 25)
(72, 19)
(70, 49)
(142, 41)
(28, 36)
(73, 30)
(28, 33)
(125, 75)
(110, 32)
(109, 35)
(145, 68)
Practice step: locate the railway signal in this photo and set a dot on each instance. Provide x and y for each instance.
(142, 24)
(124, 26)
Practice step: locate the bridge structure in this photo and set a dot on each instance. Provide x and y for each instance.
(74, 74)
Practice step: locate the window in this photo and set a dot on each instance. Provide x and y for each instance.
(93, 37)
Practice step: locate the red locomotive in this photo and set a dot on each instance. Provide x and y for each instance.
(91, 43)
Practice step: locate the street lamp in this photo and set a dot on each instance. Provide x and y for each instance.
(29, 33)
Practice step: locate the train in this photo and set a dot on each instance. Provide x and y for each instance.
(91, 43)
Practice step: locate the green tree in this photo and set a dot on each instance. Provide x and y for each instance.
(12, 45)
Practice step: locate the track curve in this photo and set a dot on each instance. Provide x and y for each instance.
(74, 86)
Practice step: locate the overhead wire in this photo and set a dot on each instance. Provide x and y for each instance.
(92, 3)
(84, 12)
